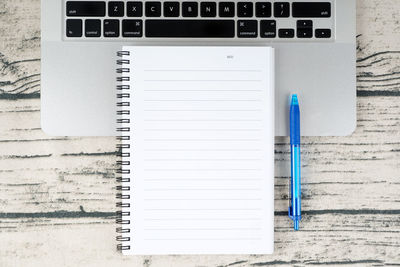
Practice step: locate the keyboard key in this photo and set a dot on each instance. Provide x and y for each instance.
(286, 33)
(263, 9)
(115, 9)
(180, 28)
(111, 28)
(86, 9)
(132, 28)
(93, 28)
(171, 9)
(304, 29)
(190, 9)
(268, 28)
(323, 33)
(304, 24)
(208, 9)
(281, 9)
(74, 28)
(311, 9)
(245, 9)
(153, 9)
(134, 9)
(247, 28)
(304, 33)
(226, 9)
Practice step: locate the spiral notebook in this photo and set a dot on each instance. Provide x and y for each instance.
(197, 150)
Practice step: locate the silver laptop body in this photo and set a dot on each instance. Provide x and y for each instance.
(78, 68)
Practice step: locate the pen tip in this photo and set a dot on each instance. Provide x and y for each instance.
(295, 101)
(296, 225)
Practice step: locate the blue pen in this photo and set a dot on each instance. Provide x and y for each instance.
(295, 188)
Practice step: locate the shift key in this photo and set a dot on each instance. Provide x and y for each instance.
(86, 9)
(311, 10)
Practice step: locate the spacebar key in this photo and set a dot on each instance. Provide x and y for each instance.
(190, 28)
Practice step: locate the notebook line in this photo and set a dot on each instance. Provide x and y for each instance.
(201, 90)
(202, 100)
(216, 80)
(202, 159)
(202, 229)
(202, 219)
(200, 70)
(203, 169)
(201, 179)
(202, 189)
(202, 120)
(203, 130)
(206, 110)
(224, 140)
(205, 209)
(195, 149)
(199, 239)
(202, 199)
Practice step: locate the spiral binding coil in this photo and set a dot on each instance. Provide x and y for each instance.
(123, 170)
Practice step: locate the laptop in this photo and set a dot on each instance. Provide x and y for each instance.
(314, 41)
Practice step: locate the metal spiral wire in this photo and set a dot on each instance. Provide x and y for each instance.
(123, 170)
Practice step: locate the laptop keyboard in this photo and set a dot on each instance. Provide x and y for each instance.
(290, 20)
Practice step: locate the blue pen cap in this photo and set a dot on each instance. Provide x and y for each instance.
(294, 121)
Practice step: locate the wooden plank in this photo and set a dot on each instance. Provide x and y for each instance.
(42, 173)
(326, 239)
(19, 49)
(378, 49)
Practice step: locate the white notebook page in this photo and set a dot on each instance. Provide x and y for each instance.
(202, 157)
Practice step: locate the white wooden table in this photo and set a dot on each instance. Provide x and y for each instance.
(57, 194)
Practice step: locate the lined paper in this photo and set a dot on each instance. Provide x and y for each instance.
(202, 150)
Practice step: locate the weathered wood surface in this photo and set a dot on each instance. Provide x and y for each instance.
(57, 194)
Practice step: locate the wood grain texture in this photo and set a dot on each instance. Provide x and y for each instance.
(57, 194)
